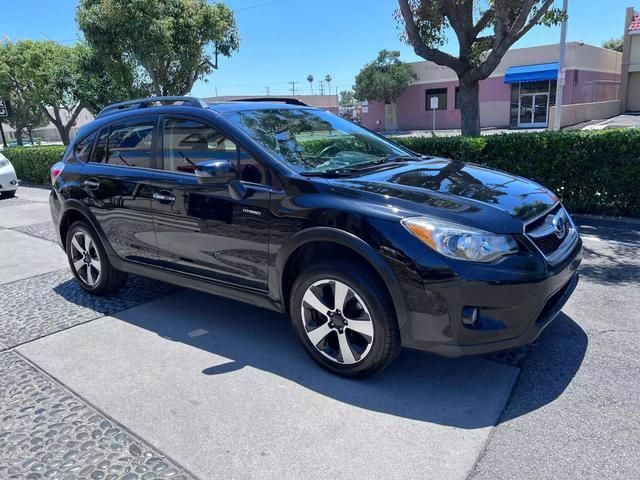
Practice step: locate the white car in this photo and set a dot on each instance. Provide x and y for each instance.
(8, 179)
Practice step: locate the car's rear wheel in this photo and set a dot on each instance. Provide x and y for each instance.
(89, 261)
(344, 317)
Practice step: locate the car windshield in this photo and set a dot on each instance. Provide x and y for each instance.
(314, 141)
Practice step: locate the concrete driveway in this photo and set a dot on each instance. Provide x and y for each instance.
(162, 382)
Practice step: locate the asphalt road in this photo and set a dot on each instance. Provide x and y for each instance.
(161, 382)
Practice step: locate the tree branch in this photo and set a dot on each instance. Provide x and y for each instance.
(46, 112)
(74, 116)
(483, 23)
(421, 49)
(536, 19)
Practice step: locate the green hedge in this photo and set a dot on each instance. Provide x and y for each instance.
(592, 172)
(32, 164)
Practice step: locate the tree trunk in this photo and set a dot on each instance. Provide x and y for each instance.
(64, 135)
(30, 132)
(470, 107)
(18, 134)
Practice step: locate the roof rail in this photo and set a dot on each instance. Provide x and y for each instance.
(145, 102)
(287, 100)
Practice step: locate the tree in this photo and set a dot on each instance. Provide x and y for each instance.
(24, 116)
(614, 44)
(174, 42)
(347, 98)
(103, 81)
(484, 31)
(46, 73)
(310, 80)
(61, 81)
(384, 79)
(328, 79)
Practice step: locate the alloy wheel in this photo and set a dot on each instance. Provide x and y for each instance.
(85, 258)
(337, 322)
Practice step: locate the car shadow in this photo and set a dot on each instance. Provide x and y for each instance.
(553, 361)
(468, 392)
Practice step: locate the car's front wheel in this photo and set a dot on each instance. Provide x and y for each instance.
(8, 194)
(89, 262)
(344, 317)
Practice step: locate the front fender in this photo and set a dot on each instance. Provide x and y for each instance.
(348, 240)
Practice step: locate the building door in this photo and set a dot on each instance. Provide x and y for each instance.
(533, 110)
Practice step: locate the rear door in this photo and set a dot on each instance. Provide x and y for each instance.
(117, 184)
(201, 230)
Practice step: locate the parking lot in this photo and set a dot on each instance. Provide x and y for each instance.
(162, 382)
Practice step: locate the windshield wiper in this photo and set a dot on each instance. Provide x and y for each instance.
(363, 167)
(331, 173)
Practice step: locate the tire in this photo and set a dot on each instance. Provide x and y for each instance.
(372, 345)
(8, 194)
(89, 261)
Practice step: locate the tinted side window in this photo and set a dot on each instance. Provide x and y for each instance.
(130, 144)
(187, 142)
(82, 148)
(100, 150)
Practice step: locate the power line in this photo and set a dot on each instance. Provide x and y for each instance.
(258, 5)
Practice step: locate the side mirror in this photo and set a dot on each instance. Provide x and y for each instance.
(215, 172)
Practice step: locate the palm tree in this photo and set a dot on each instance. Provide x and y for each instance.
(328, 80)
(310, 80)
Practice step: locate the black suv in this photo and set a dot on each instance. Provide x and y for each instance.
(366, 245)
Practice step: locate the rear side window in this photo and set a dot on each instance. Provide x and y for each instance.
(82, 148)
(100, 150)
(130, 144)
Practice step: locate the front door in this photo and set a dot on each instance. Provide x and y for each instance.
(201, 230)
(533, 111)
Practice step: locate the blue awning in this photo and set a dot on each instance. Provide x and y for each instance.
(532, 73)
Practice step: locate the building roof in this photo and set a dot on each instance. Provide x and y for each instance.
(635, 24)
(236, 106)
(318, 101)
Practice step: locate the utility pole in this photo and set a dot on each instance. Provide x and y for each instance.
(561, 70)
(268, 91)
(321, 87)
(293, 88)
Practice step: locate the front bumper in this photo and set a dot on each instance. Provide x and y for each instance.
(8, 179)
(515, 301)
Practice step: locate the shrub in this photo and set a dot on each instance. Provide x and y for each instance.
(32, 164)
(592, 172)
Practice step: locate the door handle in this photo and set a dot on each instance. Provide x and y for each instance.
(164, 197)
(92, 183)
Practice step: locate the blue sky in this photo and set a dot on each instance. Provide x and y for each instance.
(285, 40)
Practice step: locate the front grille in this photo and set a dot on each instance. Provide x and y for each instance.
(543, 234)
(548, 244)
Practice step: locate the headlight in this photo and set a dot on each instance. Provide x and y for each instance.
(459, 242)
(3, 162)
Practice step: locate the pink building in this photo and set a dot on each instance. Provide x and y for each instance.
(518, 94)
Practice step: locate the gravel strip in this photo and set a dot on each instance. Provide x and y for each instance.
(45, 230)
(48, 433)
(12, 202)
(45, 304)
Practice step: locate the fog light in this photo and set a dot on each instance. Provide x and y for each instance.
(470, 316)
(13, 182)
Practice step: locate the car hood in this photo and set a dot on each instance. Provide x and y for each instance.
(455, 191)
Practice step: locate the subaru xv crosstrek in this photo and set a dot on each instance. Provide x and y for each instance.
(366, 245)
